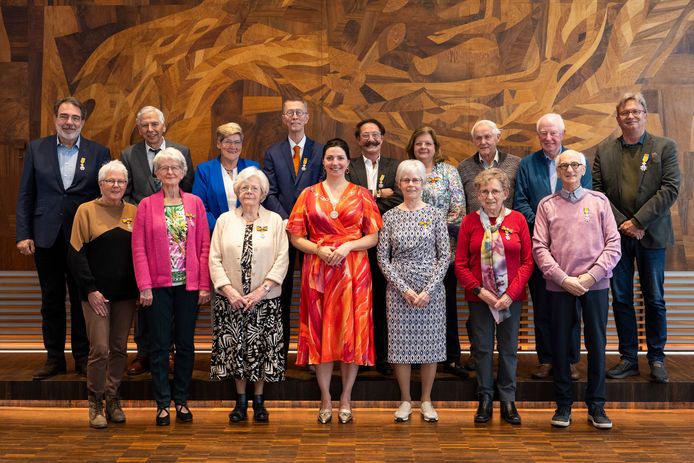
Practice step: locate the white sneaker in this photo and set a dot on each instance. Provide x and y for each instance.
(403, 412)
(428, 412)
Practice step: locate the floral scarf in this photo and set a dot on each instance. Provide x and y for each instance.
(493, 260)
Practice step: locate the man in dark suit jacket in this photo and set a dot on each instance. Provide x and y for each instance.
(640, 175)
(377, 174)
(535, 179)
(142, 183)
(60, 173)
(291, 165)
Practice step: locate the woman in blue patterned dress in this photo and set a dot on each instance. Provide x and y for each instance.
(443, 189)
(414, 254)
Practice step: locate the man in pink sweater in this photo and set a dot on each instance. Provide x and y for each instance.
(576, 245)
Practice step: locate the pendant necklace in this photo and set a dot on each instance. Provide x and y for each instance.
(333, 214)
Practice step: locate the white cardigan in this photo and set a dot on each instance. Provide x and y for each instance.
(270, 251)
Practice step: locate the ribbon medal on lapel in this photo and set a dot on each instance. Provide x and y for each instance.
(380, 181)
(128, 221)
(424, 223)
(507, 231)
(82, 161)
(261, 230)
(303, 165)
(644, 161)
(586, 214)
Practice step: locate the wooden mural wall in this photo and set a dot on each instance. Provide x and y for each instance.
(406, 63)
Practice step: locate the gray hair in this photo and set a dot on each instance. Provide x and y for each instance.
(552, 117)
(635, 96)
(170, 154)
(494, 173)
(149, 109)
(490, 124)
(411, 166)
(112, 166)
(246, 174)
(581, 156)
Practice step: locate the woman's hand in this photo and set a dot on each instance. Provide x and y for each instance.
(503, 303)
(410, 296)
(325, 253)
(254, 297)
(203, 297)
(488, 297)
(146, 297)
(422, 299)
(98, 303)
(236, 301)
(339, 254)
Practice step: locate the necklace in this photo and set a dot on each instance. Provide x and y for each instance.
(333, 202)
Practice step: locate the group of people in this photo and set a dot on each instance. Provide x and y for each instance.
(382, 246)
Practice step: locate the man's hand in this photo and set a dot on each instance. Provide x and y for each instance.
(630, 229)
(573, 286)
(26, 247)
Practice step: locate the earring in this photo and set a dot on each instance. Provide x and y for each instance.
(347, 171)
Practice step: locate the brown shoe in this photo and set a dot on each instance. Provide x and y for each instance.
(542, 371)
(171, 362)
(575, 375)
(138, 366)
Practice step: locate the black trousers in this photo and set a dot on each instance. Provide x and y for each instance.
(54, 275)
(450, 283)
(378, 309)
(286, 297)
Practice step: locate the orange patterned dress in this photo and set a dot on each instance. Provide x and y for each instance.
(335, 310)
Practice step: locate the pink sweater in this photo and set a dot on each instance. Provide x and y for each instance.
(575, 238)
(151, 246)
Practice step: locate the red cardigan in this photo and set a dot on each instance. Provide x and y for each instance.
(518, 251)
(151, 246)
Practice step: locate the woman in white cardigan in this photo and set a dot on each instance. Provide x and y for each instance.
(248, 262)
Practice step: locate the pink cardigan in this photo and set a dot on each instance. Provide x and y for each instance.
(151, 247)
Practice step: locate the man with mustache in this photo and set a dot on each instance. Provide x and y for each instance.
(377, 174)
(60, 173)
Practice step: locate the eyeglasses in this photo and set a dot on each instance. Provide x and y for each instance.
(251, 188)
(414, 180)
(631, 112)
(67, 117)
(551, 133)
(170, 168)
(367, 135)
(113, 181)
(295, 112)
(232, 142)
(565, 165)
(485, 193)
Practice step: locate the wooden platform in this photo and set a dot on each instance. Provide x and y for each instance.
(300, 388)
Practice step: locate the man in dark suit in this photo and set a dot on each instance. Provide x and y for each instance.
(377, 174)
(640, 175)
(60, 173)
(142, 183)
(536, 178)
(291, 165)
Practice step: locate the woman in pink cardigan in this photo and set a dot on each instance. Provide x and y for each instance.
(171, 243)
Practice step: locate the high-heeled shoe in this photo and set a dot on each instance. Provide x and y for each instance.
(325, 415)
(345, 416)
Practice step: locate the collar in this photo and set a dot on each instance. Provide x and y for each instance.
(639, 142)
(573, 196)
(484, 164)
(76, 145)
(301, 143)
(161, 148)
(368, 163)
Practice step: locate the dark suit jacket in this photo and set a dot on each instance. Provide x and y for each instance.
(386, 169)
(285, 186)
(44, 206)
(657, 192)
(140, 179)
(209, 186)
(532, 184)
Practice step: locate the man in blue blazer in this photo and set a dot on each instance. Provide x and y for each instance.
(138, 158)
(291, 165)
(60, 173)
(537, 178)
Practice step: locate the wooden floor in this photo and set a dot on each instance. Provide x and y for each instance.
(61, 434)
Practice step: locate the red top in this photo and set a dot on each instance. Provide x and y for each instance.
(518, 251)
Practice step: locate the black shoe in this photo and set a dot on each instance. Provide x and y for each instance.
(470, 365)
(81, 366)
(260, 413)
(49, 369)
(658, 372)
(165, 419)
(240, 411)
(455, 369)
(623, 369)
(562, 417)
(509, 413)
(183, 414)
(385, 369)
(598, 418)
(484, 410)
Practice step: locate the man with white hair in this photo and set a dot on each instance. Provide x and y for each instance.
(138, 160)
(577, 271)
(640, 175)
(537, 178)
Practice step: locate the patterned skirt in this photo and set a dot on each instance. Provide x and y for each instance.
(247, 344)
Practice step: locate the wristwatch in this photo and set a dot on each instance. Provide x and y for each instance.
(477, 291)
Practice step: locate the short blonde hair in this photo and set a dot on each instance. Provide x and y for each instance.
(488, 175)
(637, 97)
(229, 129)
(248, 173)
(170, 154)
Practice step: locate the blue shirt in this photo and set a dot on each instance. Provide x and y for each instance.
(67, 161)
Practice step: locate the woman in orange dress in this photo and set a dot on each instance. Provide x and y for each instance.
(333, 223)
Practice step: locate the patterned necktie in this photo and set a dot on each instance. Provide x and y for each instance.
(297, 158)
(157, 182)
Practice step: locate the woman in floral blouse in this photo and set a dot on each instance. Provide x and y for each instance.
(171, 243)
(443, 190)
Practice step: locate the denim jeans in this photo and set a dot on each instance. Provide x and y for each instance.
(651, 267)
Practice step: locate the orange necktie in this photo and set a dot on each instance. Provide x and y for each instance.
(297, 158)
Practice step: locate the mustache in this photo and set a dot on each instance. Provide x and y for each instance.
(372, 143)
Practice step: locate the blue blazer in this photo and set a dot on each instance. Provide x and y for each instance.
(532, 184)
(44, 206)
(285, 185)
(209, 186)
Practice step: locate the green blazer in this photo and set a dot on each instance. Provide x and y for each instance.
(657, 192)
